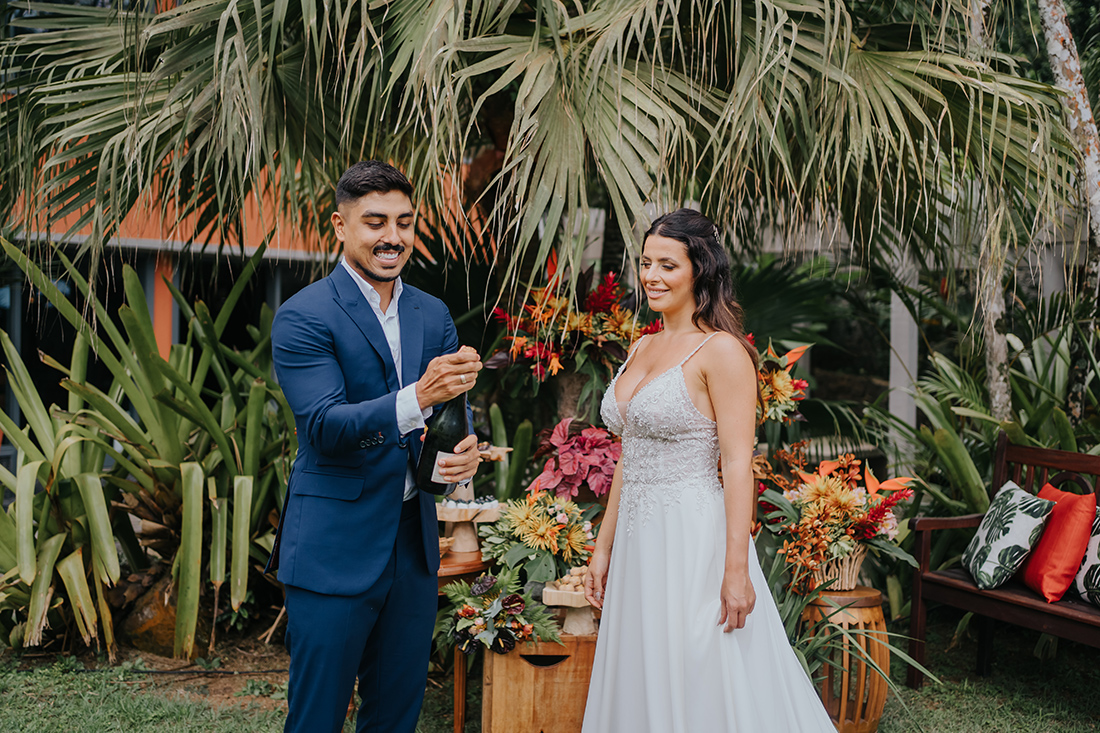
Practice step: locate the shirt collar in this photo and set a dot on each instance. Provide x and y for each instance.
(368, 290)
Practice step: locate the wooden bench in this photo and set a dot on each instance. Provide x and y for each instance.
(1071, 618)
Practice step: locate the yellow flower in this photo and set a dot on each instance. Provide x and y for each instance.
(777, 384)
(578, 322)
(845, 500)
(541, 534)
(520, 513)
(573, 542)
(821, 489)
(620, 322)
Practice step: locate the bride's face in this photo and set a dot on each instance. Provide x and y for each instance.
(666, 274)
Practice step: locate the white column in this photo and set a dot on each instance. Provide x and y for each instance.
(1052, 270)
(904, 351)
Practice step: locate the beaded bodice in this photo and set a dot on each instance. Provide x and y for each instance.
(670, 449)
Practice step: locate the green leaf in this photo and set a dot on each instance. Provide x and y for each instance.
(242, 514)
(542, 568)
(517, 554)
(103, 537)
(189, 559)
(42, 589)
(24, 519)
(72, 573)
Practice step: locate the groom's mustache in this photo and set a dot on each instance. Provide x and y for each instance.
(398, 248)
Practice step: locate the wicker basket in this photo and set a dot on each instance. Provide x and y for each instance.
(844, 570)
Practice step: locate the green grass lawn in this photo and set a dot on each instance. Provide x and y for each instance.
(1024, 694)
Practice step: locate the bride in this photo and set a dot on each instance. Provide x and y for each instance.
(690, 639)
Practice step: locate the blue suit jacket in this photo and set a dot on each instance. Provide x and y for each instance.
(345, 492)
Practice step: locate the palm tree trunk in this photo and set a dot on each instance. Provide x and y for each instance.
(1066, 65)
(990, 273)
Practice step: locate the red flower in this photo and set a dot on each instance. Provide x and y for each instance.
(606, 294)
(654, 327)
(800, 386)
(750, 339)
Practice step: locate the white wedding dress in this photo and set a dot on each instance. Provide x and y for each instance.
(663, 665)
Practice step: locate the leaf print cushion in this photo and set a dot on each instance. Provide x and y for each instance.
(1009, 529)
(1087, 582)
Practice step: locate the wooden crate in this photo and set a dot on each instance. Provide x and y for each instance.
(537, 688)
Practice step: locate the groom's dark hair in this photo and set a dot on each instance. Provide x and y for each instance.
(371, 176)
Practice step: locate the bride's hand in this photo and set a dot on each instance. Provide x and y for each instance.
(738, 600)
(596, 580)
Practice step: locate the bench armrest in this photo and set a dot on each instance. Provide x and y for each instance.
(924, 524)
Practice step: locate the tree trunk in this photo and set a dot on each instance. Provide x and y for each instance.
(1066, 65)
(990, 275)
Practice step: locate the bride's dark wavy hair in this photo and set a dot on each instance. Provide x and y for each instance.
(712, 283)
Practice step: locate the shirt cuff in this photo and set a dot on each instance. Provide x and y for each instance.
(409, 415)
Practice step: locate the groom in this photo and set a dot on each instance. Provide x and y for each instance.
(362, 360)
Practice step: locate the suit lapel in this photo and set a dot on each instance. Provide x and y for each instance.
(352, 302)
(412, 335)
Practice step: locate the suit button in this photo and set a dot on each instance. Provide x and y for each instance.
(362, 444)
(381, 439)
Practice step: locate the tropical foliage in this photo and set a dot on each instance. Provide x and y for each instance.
(199, 468)
(542, 534)
(493, 612)
(768, 114)
(552, 332)
(825, 515)
(579, 455)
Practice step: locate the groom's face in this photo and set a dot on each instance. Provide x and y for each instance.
(377, 232)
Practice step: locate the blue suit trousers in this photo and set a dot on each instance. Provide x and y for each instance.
(382, 637)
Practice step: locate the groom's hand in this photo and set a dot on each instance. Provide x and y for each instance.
(463, 465)
(448, 376)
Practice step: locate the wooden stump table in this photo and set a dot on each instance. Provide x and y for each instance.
(853, 692)
(537, 688)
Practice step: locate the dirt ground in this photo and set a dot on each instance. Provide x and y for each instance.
(222, 677)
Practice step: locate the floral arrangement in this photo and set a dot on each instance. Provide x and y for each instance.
(579, 455)
(542, 534)
(549, 330)
(780, 394)
(826, 515)
(492, 612)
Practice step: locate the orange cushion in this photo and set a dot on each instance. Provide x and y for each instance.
(1050, 568)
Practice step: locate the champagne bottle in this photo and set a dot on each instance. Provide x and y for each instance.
(447, 429)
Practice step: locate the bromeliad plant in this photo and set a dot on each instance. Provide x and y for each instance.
(494, 613)
(179, 455)
(828, 514)
(579, 455)
(542, 534)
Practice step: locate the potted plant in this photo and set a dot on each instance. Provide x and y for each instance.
(829, 519)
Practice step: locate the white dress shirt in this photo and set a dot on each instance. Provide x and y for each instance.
(409, 415)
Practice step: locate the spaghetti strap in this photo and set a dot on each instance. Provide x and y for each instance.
(693, 351)
(630, 355)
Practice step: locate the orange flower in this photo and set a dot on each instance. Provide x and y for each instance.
(518, 345)
(555, 364)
